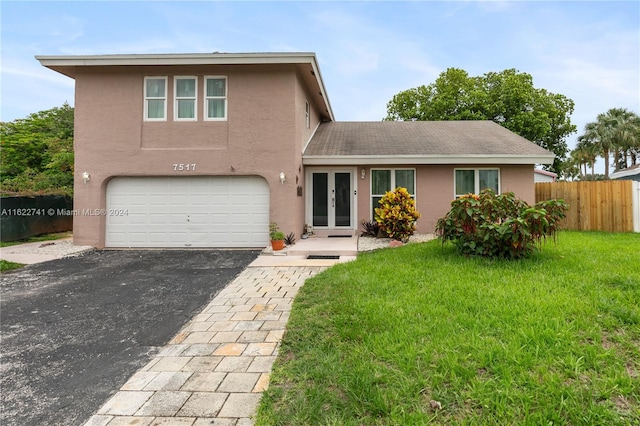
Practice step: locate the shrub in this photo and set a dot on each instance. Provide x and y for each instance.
(290, 239)
(397, 214)
(370, 229)
(499, 225)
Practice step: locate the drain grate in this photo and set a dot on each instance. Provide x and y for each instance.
(322, 256)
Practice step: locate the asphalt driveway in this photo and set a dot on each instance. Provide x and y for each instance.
(75, 329)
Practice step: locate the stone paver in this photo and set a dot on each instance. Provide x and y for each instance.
(240, 405)
(168, 381)
(125, 403)
(164, 403)
(203, 404)
(213, 372)
(203, 382)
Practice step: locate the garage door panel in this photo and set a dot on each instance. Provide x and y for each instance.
(176, 200)
(203, 211)
(119, 237)
(199, 200)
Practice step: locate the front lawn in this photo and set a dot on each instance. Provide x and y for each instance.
(390, 338)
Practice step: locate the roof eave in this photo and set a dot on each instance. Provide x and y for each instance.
(177, 59)
(343, 160)
(625, 173)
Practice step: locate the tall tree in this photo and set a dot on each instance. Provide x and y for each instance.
(626, 135)
(507, 97)
(37, 152)
(586, 150)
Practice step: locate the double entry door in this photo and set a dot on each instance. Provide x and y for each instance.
(332, 199)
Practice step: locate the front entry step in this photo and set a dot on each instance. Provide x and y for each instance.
(315, 251)
(318, 246)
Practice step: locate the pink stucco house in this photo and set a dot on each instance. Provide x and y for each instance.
(205, 150)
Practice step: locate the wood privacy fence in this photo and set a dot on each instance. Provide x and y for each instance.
(611, 205)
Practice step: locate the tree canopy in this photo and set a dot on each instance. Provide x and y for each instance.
(507, 98)
(37, 153)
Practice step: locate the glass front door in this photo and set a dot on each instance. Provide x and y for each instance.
(332, 199)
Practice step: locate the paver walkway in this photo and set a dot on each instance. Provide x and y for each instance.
(213, 372)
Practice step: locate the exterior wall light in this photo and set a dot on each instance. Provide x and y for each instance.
(86, 177)
(282, 178)
(363, 172)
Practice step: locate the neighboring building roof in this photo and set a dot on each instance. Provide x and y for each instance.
(306, 62)
(627, 173)
(544, 176)
(421, 142)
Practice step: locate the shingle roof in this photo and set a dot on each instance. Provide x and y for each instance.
(422, 142)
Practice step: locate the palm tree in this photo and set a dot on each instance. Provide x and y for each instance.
(630, 138)
(599, 133)
(586, 152)
(613, 131)
(622, 125)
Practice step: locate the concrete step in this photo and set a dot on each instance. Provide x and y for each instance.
(324, 247)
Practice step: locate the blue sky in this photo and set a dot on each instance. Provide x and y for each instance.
(368, 51)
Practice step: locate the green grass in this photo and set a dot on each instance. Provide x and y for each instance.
(6, 266)
(39, 238)
(553, 339)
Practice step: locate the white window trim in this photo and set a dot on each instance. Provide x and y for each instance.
(393, 186)
(308, 173)
(307, 113)
(176, 98)
(146, 98)
(206, 98)
(476, 179)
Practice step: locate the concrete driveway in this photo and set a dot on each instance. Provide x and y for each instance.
(75, 329)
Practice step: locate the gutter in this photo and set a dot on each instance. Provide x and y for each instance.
(345, 160)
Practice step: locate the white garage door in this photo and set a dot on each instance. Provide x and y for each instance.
(194, 211)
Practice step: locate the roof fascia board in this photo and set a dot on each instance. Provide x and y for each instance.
(323, 92)
(432, 159)
(624, 173)
(545, 172)
(179, 59)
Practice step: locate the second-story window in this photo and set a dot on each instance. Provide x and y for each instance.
(185, 95)
(215, 98)
(155, 98)
(307, 115)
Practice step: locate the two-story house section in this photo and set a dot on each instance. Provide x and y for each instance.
(191, 150)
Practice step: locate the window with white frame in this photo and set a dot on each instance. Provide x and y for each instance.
(185, 89)
(215, 103)
(475, 180)
(155, 98)
(307, 115)
(384, 180)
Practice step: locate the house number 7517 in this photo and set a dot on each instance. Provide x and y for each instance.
(184, 167)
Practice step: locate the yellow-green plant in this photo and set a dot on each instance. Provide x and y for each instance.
(397, 214)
